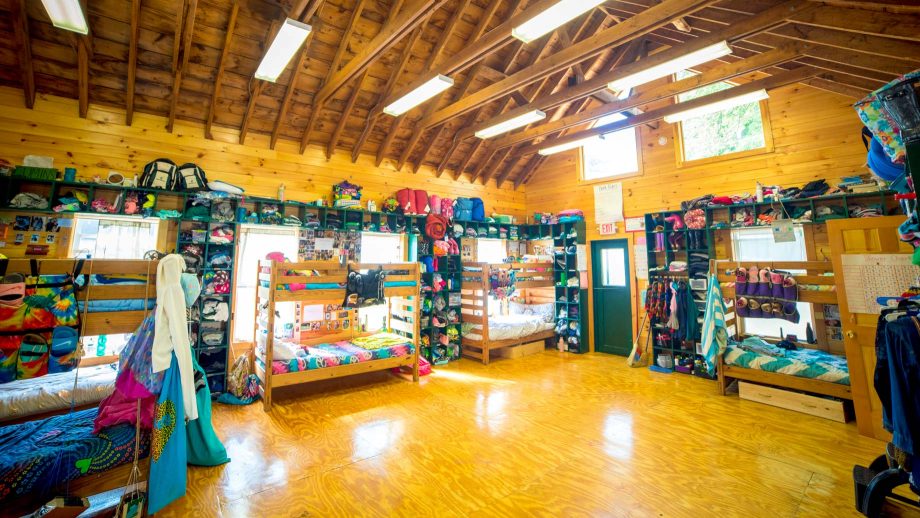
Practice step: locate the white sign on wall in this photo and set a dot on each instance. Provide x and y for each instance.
(608, 203)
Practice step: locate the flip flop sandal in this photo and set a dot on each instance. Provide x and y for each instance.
(754, 307)
(777, 309)
(790, 290)
(740, 281)
(764, 288)
(13, 290)
(791, 312)
(776, 284)
(741, 305)
(753, 284)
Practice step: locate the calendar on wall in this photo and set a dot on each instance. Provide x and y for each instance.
(870, 276)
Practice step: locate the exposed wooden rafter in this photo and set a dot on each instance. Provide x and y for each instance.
(620, 33)
(188, 28)
(411, 16)
(132, 61)
(352, 98)
(24, 48)
(221, 66)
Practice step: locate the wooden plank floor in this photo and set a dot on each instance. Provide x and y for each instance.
(547, 435)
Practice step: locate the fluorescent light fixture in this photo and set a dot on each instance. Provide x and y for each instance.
(568, 145)
(510, 124)
(289, 38)
(673, 66)
(724, 104)
(67, 14)
(425, 91)
(559, 14)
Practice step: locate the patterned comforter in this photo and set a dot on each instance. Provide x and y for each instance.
(804, 363)
(37, 456)
(375, 347)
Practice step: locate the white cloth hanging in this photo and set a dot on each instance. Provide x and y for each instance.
(171, 331)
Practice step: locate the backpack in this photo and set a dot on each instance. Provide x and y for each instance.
(463, 209)
(434, 201)
(159, 174)
(190, 178)
(447, 208)
(364, 289)
(478, 210)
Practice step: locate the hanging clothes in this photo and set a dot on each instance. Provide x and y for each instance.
(204, 447)
(688, 313)
(168, 448)
(897, 378)
(171, 331)
(715, 334)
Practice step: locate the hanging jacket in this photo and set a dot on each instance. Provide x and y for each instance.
(171, 332)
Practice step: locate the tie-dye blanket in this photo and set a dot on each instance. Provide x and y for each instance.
(375, 347)
(804, 363)
(38, 456)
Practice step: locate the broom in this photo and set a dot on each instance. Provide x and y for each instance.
(636, 357)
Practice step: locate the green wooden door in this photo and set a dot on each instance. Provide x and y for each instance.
(612, 298)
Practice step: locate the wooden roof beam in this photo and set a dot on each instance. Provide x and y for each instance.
(878, 45)
(484, 45)
(333, 68)
(412, 15)
(529, 169)
(391, 83)
(188, 27)
(628, 30)
(20, 24)
(861, 21)
(430, 63)
(830, 85)
(467, 158)
(769, 83)
(221, 65)
(723, 72)
(334, 139)
(132, 60)
(500, 179)
(83, 74)
(764, 21)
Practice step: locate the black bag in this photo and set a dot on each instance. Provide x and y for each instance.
(364, 289)
(190, 178)
(159, 174)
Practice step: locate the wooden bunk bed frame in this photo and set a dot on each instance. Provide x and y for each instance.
(398, 303)
(94, 324)
(814, 275)
(475, 299)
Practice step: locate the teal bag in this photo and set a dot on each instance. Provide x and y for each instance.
(204, 447)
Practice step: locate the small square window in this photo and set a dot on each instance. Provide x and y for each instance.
(612, 155)
(740, 129)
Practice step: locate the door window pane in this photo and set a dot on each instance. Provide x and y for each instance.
(255, 242)
(613, 267)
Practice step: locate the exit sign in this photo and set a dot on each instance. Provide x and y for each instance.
(608, 229)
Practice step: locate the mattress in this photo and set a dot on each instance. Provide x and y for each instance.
(53, 392)
(97, 306)
(38, 456)
(333, 285)
(511, 327)
(375, 347)
(804, 363)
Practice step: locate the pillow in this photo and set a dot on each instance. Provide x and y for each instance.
(516, 308)
(547, 311)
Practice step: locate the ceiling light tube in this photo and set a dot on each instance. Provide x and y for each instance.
(510, 124)
(289, 38)
(559, 14)
(67, 14)
(673, 66)
(724, 104)
(568, 145)
(425, 91)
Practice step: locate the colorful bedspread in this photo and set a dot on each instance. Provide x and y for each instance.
(804, 363)
(376, 347)
(37, 456)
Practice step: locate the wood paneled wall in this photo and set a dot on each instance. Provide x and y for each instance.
(816, 135)
(102, 142)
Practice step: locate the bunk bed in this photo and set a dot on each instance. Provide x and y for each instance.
(114, 297)
(528, 316)
(807, 369)
(47, 442)
(342, 352)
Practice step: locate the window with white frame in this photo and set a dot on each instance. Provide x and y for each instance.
(758, 245)
(735, 130)
(255, 241)
(113, 237)
(614, 154)
(491, 250)
(384, 249)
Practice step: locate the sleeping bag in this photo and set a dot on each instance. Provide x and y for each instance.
(478, 210)
(463, 209)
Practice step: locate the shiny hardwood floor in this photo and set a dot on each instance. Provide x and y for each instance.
(546, 435)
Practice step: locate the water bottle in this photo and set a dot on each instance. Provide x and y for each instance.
(100, 345)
